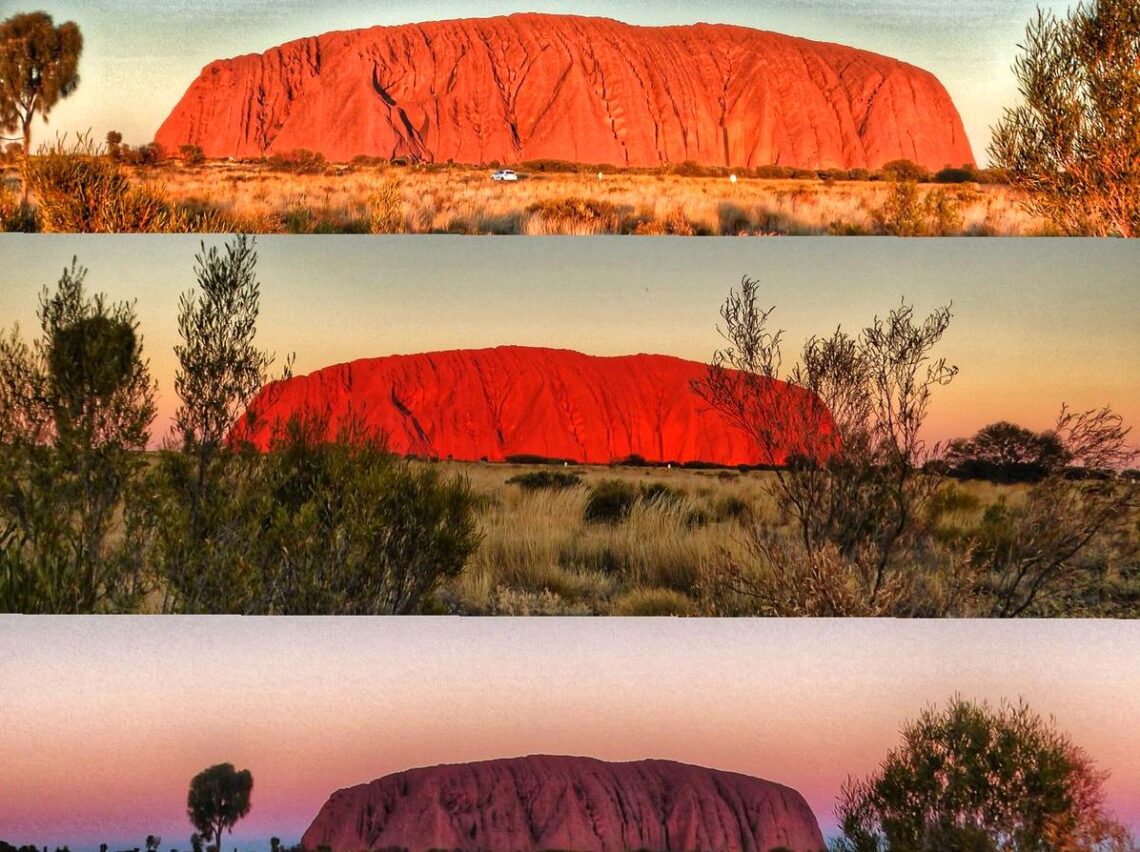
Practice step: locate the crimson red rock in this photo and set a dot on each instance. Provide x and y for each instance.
(473, 404)
(592, 90)
(543, 802)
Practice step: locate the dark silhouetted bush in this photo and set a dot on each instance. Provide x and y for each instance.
(610, 502)
(539, 479)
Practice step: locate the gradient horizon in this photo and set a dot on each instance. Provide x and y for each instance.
(106, 719)
(1037, 323)
(140, 57)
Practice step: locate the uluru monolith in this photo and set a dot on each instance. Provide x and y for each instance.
(495, 404)
(544, 802)
(589, 90)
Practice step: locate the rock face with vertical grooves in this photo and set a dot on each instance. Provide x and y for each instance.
(541, 802)
(513, 400)
(593, 90)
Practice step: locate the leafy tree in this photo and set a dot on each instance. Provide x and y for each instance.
(39, 65)
(220, 369)
(854, 496)
(75, 410)
(972, 778)
(218, 798)
(1005, 452)
(1074, 143)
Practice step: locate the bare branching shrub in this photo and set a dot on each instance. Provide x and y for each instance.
(855, 495)
(1031, 555)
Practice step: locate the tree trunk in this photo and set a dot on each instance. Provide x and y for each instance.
(27, 122)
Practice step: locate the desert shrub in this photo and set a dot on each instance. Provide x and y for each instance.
(773, 172)
(660, 492)
(855, 507)
(902, 214)
(79, 190)
(150, 154)
(965, 174)
(299, 161)
(732, 219)
(1072, 144)
(192, 155)
(906, 213)
(859, 174)
(843, 228)
(653, 602)
(114, 141)
(632, 460)
(943, 213)
(556, 166)
(539, 479)
(386, 209)
(354, 530)
(1032, 555)
(15, 214)
(610, 502)
(576, 215)
(732, 508)
(530, 458)
(904, 170)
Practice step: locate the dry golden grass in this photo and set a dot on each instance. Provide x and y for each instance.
(379, 198)
(539, 556)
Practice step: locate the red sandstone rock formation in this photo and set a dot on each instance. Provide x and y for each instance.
(513, 400)
(532, 803)
(593, 90)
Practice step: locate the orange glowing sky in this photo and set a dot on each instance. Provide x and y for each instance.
(1037, 322)
(104, 720)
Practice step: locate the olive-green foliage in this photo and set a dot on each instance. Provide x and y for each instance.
(1073, 143)
(972, 778)
(354, 530)
(539, 479)
(75, 409)
(906, 213)
(81, 189)
(39, 65)
(316, 526)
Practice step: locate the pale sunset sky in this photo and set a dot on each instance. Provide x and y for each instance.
(1037, 323)
(104, 720)
(141, 55)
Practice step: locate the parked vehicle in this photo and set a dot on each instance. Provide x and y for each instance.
(505, 174)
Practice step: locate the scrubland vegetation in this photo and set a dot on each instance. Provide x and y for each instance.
(113, 187)
(93, 519)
